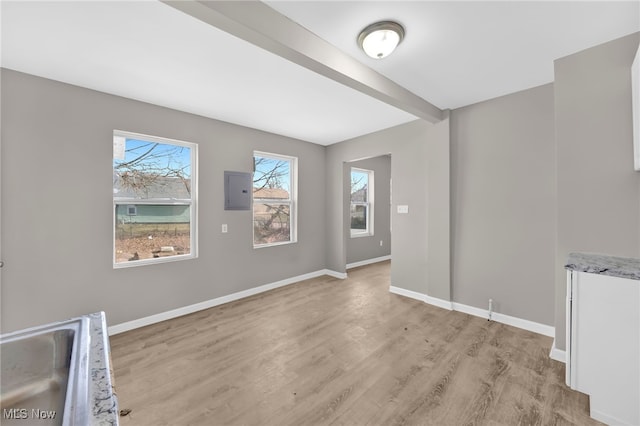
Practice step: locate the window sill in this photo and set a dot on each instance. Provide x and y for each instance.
(144, 262)
(284, 243)
(361, 234)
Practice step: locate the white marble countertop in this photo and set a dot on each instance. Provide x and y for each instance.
(103, 403)
(621, 267)
(90, 399)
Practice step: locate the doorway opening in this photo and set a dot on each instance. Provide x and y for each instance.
(367, 195)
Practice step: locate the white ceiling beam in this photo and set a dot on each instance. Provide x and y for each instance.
(257, 23)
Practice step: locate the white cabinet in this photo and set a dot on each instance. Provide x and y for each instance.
(603, 344)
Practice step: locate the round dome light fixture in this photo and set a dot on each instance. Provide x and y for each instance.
(380, 39)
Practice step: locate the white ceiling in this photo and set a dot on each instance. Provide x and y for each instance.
(454, 54)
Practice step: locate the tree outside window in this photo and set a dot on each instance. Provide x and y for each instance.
(274, 194)
(154, 199)
(361, 202)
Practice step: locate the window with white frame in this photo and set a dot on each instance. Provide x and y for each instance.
(274, 199)
(361, 202)
(154, 199)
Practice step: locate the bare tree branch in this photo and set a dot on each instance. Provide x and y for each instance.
(150, 166)
(271, 178)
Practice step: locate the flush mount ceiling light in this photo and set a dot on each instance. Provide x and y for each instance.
(380, 39)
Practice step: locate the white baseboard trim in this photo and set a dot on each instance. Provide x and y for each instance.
(334, 274)
(471, 310)
(535, 327)
(368, 261)
(407, 293)
(440, 303)
(445, 304)
(524, 324)
(557, 354)
(174, 313)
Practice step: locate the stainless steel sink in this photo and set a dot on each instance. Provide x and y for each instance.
(44, 375)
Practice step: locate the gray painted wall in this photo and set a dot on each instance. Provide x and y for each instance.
(364, 248)
(503, 204)
(598, 190)
(438, 216)
(512, 186)
(57, 208)
(410, 146)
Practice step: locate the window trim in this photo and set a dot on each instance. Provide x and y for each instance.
(369, 204)
(292, 201)
(193, 203)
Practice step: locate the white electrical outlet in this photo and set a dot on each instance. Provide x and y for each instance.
(380, 243)
(224, 228)
(403, 209)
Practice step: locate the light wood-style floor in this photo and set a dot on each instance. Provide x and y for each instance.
(340, 352)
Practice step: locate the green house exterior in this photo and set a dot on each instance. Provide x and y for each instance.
(144, 213)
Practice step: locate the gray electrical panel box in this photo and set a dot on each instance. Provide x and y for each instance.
(237, 190)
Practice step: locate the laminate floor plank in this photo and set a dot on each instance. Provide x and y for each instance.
(339, 352)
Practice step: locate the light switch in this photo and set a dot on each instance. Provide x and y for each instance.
(403, 209)
(224, 228)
